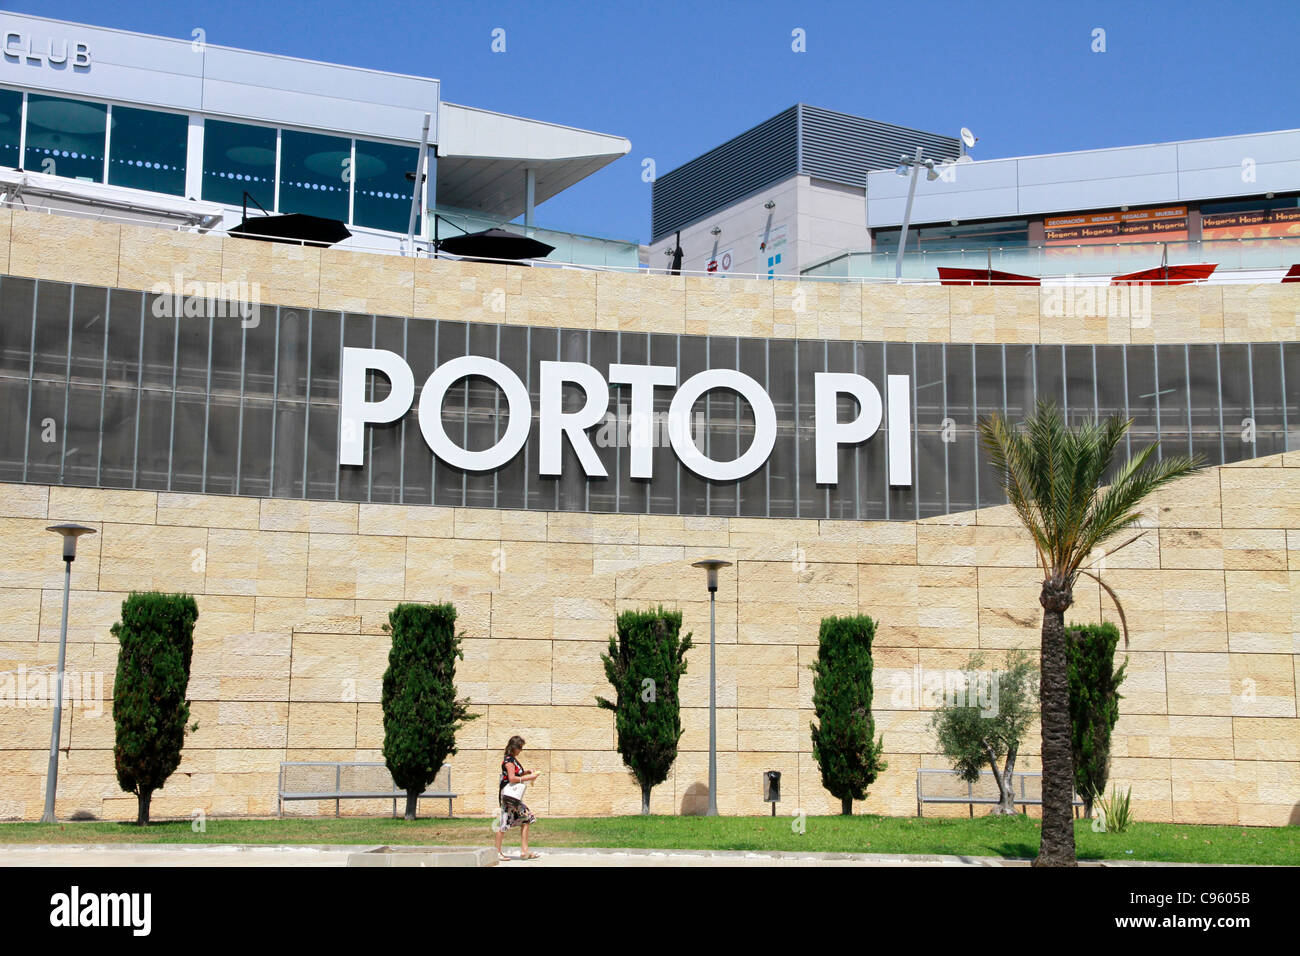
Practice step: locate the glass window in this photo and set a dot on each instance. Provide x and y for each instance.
(66, 137)
(383, 193)
(974, 235)
(313, 174)
(11, 115)
(13, 429)
(238, 157)
(17, 299)
(147, 150)
(117, 455)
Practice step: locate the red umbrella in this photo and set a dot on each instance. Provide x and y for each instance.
(1165, 274)
(950, 276)
(1293, 275)
(1169, 275)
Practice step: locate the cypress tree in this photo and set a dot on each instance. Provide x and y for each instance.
(421, 712)
(645, 664)
(1094, 704)
(155, 644)
(845, 743)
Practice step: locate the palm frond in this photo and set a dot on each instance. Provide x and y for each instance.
(1052, 476)
(1123, 618)
(1013, 466)
(1118, 507)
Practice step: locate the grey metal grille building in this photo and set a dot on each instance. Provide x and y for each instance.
(826, 145)
(217, 404)
(794, 159)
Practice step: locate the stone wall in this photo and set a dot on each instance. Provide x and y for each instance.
(292, 594)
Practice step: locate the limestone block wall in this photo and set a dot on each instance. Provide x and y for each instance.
(292, 594)
(39, 246)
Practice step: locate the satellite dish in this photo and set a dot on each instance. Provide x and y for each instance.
(968, 137)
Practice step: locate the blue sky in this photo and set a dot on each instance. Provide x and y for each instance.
(678, 78)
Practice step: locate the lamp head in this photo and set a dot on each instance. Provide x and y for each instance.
(70, 533)
(711, 565)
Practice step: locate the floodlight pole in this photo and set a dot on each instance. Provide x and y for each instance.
(418, 191)
(915, 163)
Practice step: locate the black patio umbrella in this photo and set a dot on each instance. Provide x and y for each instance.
(297, 228)
(495, 244)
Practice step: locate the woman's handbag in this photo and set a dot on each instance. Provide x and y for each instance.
(515, 791)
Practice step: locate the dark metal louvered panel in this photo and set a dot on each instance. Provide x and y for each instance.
(821, 143)
(842, 148)
(758, 157)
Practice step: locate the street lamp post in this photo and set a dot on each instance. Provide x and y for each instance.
(70, 533)
(915, 162)
(711, 565)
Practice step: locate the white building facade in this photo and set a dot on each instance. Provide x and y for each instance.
(185, 132)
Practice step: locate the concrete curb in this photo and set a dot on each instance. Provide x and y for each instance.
(380, 855)
(424, 856)
(878, 859)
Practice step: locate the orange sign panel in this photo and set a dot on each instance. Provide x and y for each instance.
(1169, 222)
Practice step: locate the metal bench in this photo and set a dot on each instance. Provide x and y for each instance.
(339, 781)
(949, 787)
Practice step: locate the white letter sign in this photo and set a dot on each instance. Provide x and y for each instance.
(355, 412)
(556, 422)
(435, 390)
(679, 429)
(900, 429)
(831, 433)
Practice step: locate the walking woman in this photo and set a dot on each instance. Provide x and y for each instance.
(510, 795)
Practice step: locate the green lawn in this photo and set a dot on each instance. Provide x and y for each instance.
(982, 836)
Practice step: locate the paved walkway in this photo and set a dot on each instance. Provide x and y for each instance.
(244, 855)
(593, 857)
(168, 854)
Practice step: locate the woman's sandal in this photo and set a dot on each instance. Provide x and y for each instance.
(502, 858)
(530, 856)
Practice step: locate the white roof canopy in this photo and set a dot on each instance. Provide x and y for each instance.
(20, 189)
(483, 158)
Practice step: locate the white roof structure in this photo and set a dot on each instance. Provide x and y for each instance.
(99, 201)
(483, 158)
(1186, 171)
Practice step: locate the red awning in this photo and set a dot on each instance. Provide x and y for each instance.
(1169, 275)
(1293, 275)
(949, 276)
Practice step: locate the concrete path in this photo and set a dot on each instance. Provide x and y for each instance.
(245, 855)
(728, 858)
(168, 854)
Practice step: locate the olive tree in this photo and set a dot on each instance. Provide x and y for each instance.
(986, 721)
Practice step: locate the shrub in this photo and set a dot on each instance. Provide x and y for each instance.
(645, 664)
(156, 641)
(421, 711)
(1094, 704)
(844, 743)
(1117, 812)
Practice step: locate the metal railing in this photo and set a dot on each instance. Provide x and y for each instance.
(1260, 255)
(1239, 260)
(572, 250)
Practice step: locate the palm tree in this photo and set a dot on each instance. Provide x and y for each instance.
(1052, 475)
